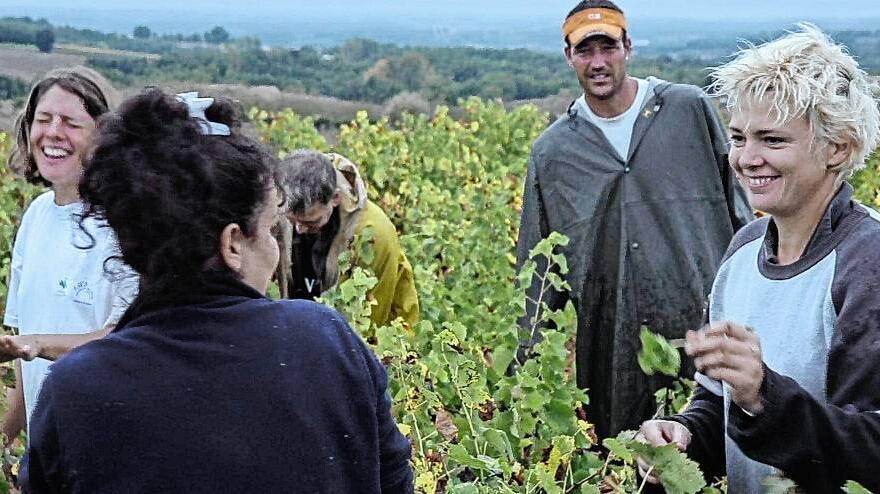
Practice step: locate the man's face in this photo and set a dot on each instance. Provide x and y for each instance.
(600, 65)
(310, 221)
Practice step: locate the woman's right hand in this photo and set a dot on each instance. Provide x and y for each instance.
(661, 433)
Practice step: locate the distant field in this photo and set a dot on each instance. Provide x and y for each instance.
(71, 49)
(27, 63)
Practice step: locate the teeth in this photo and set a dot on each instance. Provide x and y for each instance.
(52, 152)
(759, 181)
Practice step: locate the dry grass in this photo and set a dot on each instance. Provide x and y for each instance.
(70, 49)
(27, 63)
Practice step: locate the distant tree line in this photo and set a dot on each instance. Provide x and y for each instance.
(142, 39)
(366, 70)
(370, 71)
(11, 88)
(27, 31)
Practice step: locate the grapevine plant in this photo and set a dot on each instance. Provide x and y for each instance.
(453, 188)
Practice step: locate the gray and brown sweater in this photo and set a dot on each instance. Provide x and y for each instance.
(819, 324)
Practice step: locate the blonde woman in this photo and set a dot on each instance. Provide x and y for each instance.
(789, 380)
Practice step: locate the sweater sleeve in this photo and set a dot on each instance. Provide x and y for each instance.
(828, 443)
(41, 471)
(395, 290)
(704, 418)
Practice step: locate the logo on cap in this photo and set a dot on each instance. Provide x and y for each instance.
(594, 16)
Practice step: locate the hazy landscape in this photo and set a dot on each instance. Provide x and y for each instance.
(329, 59)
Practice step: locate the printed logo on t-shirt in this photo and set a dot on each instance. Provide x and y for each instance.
(82, 294)
(61, 287)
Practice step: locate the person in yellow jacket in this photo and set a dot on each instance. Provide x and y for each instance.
(328, 212)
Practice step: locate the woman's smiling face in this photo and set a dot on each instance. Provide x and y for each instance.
(779, 164)
(61, 136)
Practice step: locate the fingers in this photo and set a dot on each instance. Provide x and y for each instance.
(737, 360)
(680, 436)
(652, 434)
(660, 433)
(663, 432)
(724, 339)
(29, 353)
(13, 347)
(644, 468)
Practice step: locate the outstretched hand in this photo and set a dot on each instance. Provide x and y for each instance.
(13, 347)
(660, 433)
(729, 352)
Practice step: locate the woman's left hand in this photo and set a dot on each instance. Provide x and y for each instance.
(731, 353)
(23, 347)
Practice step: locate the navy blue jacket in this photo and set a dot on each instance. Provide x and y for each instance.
(234, 394)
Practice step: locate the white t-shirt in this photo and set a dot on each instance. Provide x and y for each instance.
(618, 130)
(55, 287)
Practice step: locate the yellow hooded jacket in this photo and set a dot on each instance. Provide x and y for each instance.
(395, 292)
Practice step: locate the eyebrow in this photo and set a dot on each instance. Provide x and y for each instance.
(66, 118)
(759, 132)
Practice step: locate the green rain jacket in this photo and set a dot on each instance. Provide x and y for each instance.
(647, 233)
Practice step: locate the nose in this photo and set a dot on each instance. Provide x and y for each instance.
(597, 61)
(747, 156)
(53, 129)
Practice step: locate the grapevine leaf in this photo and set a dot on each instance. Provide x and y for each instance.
(853, 487)
(618, 449)
(657, 355)
(678, 473)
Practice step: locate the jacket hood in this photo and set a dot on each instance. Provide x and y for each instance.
(349, 184)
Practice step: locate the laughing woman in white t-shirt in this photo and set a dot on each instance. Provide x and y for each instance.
(63, 291)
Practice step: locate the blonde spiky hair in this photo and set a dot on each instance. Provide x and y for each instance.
(806, 74)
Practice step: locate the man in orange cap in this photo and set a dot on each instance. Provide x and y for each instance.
(636, 175)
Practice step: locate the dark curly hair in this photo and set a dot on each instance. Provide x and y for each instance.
(168, 190)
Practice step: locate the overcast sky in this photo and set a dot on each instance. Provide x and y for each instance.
(488, 9)
(502, 22)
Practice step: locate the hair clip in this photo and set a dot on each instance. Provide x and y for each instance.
(196, 107)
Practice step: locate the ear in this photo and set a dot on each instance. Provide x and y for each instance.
(567, 52)
(231, 240)
(628, 46)
(335, 200)
(838, 152)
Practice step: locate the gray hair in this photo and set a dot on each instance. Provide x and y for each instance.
(308, 178)
(806, 74)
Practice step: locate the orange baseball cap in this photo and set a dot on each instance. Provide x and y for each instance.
(593, 22)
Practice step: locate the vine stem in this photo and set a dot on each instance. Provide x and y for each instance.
(537, 303)
(645, 480)
(467, 410)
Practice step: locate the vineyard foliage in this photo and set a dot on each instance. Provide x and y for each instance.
(453, 188)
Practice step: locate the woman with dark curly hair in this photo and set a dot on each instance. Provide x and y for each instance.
(206, 385)
(63, 291)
